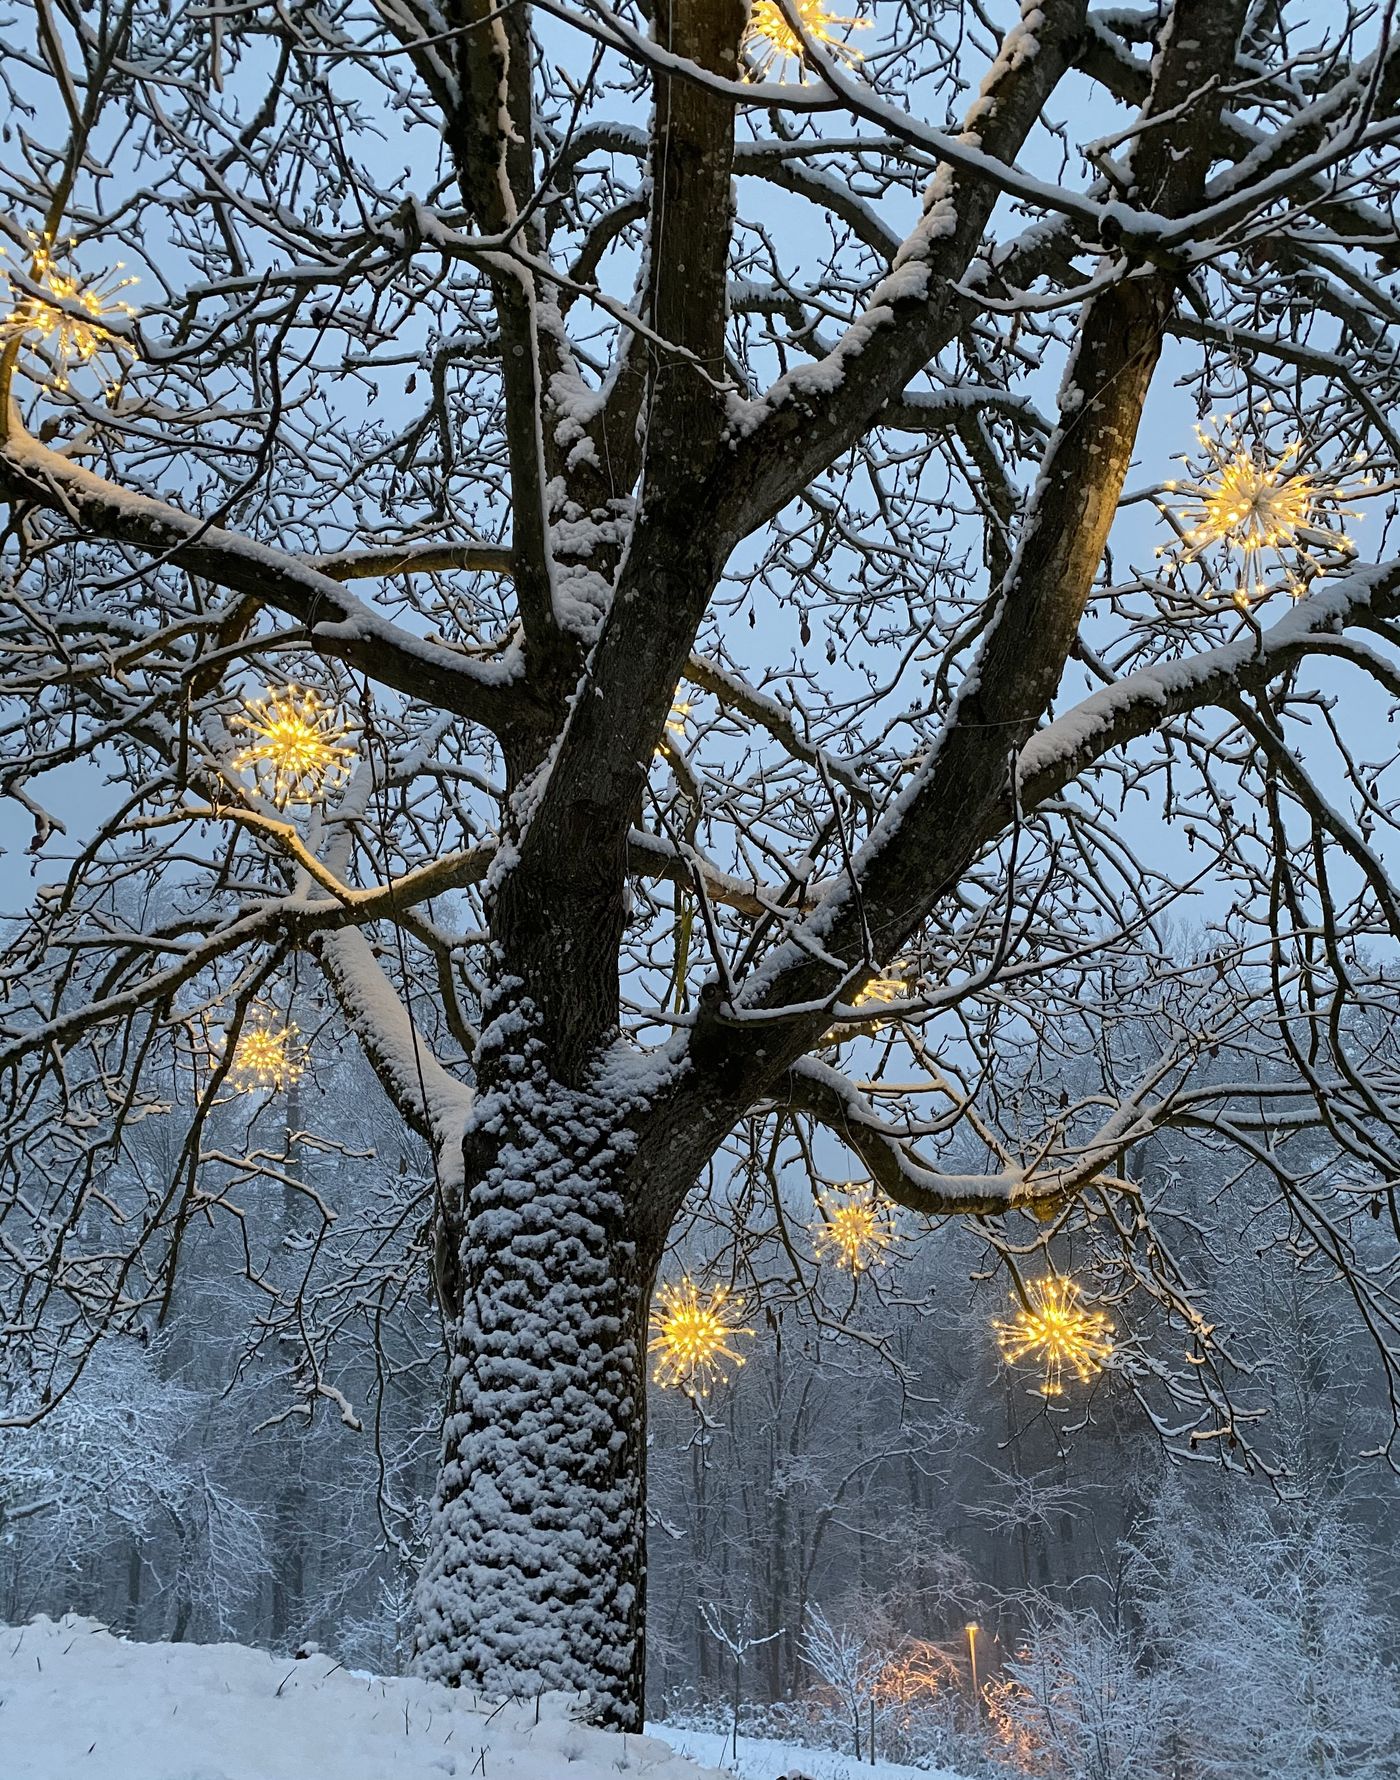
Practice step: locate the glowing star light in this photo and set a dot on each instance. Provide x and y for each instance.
(676, 720)
(855, 1227)
(876, 993)
(1058, 1332)
(770, 40)
(70, 317)
(268, 1056)
(692, 1336)
(1281, 523)
(297, 752)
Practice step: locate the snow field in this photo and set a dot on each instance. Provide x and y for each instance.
(77, 1703)
(80, 1703)
(762, 1759)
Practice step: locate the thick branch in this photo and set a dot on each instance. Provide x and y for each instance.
(838, 1103)
(338, 624)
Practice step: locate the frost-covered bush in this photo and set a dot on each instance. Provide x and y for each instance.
(1278, 1664)
(130, 1455)
(1077, 1702)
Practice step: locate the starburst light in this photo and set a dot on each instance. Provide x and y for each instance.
(1058, 1332)
(693, 1336)
(676, 720)
(770, 40)
(297, 753)
(879, 991)
(854, 1227)
(1265, 513)
(70, 316)
(268, 1056)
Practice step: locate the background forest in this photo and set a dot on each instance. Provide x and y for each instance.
(870, 1482)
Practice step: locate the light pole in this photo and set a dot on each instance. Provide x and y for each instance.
(972, 1630)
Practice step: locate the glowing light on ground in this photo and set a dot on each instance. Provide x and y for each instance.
(1279, 523)
(769, 41)
(1058, 1332)
(693, 1335)
(69, 316)
(298, 753)
(854, 1227)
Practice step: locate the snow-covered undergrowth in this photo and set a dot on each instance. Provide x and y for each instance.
(761, 1758)
(75, 1700)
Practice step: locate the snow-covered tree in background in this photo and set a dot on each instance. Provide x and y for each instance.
(1077, 1704)
(117, 1457)
(848, 1662)
(1273, 1657)
(766, 740)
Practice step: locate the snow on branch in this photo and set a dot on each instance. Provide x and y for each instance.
(435, 1103)
(340, 625)
(1145, 700)
(837, 1102)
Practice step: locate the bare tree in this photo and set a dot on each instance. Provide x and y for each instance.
(730, 463)
(738, 1637)
(849, 1663)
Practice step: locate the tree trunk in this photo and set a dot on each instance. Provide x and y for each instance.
(537, 1553)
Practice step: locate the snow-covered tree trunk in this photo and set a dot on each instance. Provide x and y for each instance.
(536, 1569)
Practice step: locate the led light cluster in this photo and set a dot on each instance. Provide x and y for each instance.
(1058, 1332)
(693, 1336)
(69, 316)
(770, 40)
(298, 752)
(854, 1227)
(1278, 522)
(876, 993)
(269, 1056)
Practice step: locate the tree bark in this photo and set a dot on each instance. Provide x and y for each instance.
(537, 1553)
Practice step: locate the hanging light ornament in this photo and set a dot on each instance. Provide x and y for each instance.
(876, 993)
(70, 316)
(269, 1056)
(1059, 1332)
(297, 753)
(769, 39)
(692, 1336)
(1280, 523)
(676, 721)
(854, 1227)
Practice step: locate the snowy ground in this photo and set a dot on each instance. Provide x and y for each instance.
(760, 1759)
(75, 1701)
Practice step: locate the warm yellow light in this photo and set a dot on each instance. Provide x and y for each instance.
(876, 993)
(918, 1673)
(855, 1227)
(69, 315)
(769, 39)
(1059, 1332)
(1279, 522)
(268, 1056)
(297, 753)
(692, 1336)
(881, 989)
